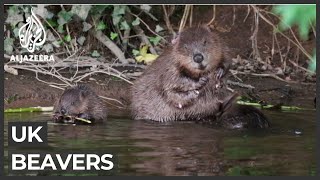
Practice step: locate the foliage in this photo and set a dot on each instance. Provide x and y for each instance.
(110, 19)
(304, 16)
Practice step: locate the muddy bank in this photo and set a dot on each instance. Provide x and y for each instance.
(25, 90)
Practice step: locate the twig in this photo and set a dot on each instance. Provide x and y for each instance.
(274, 27)
(248, 86)
(111, 45)
(213, 16)
(167, 20)
(147, 26)
(268, 75)
(300, 67)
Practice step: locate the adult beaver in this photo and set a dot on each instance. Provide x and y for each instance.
(186, 80)
(80, 101)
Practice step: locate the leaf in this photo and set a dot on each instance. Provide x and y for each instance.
(48, 48)
(81, 40)
(136, 22)
(50, 36)
(56, 44)
(98, 9)
(101, 26)
(124, 25)
(301, 15)
(117, 13)
(43, 12)
(118, 10)
(60, 29)
(135, 52)
(64, 17)
(313, 63)
(67, 38)
(86, 26)
(158, 28)
(145, 7)
(144, 56)
(113, 35)
(148, 58)
(116, 19)
(16, 32)
(8, 45)
(155, 40)
(143, 50)
(81, 10)
(52, 22)
(14, 20)
(95, 54)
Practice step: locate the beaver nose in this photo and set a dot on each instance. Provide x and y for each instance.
(198, 58)
(63, 111)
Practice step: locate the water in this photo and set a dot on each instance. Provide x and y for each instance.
(147, 148)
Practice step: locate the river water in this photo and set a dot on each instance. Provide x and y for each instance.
(187, 148)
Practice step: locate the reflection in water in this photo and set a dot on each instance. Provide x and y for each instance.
(149, 148)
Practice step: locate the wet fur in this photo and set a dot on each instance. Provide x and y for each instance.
(81, 101)
(174, 79)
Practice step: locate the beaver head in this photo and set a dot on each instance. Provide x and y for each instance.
(73, 101)
(197, 50)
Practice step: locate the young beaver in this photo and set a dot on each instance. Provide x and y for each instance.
(236, 116)
(80, 101)
(184, 82)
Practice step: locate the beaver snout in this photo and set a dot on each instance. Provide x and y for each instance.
(198, 58)
(63, 111)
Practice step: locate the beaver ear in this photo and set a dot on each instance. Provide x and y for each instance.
(83, 94)
(209, 27)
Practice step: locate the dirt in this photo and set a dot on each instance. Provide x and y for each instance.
(25, 90)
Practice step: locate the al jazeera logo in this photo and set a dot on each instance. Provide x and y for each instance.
(32, 36)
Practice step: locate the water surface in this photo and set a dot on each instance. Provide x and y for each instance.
(147, 148)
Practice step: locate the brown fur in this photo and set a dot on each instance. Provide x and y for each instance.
(236, 116)
(174, 87)
(80, 101)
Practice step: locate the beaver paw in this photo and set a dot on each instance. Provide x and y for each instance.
(202, 82)
(219, 73)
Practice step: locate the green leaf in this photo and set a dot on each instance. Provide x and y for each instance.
(155, 40)
(135, 52)
(313, 63)
(52, 22)
(98, 9)
(67, 38)
(136, 22)
(81, 11)
(124, 25)
(64, 17)
(101, 26)
(118, 12)
(86, 26)
(113, 35)
(301, 15)
(81, 40)
(116, 19)
(8, 45)
(95, 54)
(60, 29)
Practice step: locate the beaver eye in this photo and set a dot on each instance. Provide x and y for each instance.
(185, 47)
(204, 42)
(72, 103)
